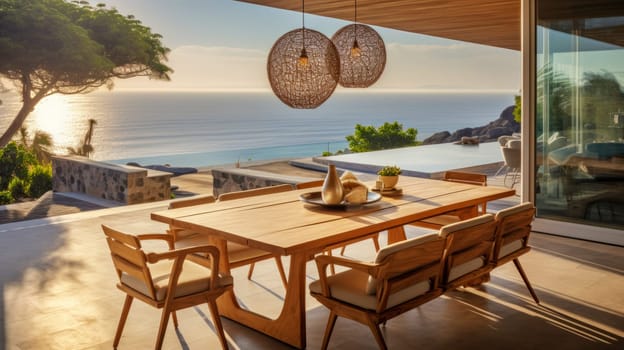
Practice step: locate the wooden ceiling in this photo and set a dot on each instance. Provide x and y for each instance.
(488, 22)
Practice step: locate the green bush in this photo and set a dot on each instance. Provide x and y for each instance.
(5, 197)
(14, 162)
(387, 136)
(18, 188)
(40, 178)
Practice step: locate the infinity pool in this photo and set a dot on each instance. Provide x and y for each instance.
(422, 161)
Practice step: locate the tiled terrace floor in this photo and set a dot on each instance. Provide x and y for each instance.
(58, 292)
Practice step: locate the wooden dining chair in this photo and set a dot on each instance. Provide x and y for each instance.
(165, 280)
(240, 255)
(309, 184)
(512, 238)
(237, 254)
(436, 222)
(470, 245)
(403, 276)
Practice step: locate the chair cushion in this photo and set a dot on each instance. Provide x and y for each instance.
(448, 229)
(510, 248)
(350, 287)
(371, 286)
(465, 268)
(193, 279)
(514, 210)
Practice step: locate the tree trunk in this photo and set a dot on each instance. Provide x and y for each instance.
(17, 123)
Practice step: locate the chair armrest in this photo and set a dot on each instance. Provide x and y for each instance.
(323, 261)
(158, 236)
(180, 255)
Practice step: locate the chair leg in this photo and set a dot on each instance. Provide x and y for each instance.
(251, 269)
(342, 250)
(280, 269)
(216, 319)
(329, 329)
(377, 334)
(525, 279)
(175, 319)
(122, 320)
(164, 319)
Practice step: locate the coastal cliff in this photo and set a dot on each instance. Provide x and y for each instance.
(504, 125)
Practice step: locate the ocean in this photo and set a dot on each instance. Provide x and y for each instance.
(211, 128)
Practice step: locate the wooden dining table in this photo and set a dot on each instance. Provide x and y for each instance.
(282, 224)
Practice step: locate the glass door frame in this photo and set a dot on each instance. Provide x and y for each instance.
(529, 104)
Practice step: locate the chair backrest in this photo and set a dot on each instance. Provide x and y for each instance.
(470, 244)
(466, 177)
(129, 258)
(512, 157)
(195, 200)
(514, 143)
(406, 263)
(513, 230)
(255, 192)
(309, 184)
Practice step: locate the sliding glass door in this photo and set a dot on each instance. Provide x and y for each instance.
(579, 112)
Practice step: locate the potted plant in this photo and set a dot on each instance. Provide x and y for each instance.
(389, 175)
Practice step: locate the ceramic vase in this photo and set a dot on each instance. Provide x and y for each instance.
(332, 191)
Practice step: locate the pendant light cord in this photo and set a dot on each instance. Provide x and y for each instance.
(355, 21)
(303, 21)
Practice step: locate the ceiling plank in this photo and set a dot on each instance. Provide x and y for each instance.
(488, 22)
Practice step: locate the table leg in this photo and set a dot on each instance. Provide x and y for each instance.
(289, 327)
(396, 234)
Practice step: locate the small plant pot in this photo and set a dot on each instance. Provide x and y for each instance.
(389, 181)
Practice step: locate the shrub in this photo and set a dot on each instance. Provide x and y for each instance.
(14, 162)
(387, 136)
(17, 187)
(40, 178)
(5, 197)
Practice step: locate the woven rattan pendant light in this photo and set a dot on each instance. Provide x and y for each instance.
(362, 54)
(303, 67)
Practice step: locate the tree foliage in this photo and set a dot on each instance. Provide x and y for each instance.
(517, 112)
(15, 161)
(389, 135)
(56, 46)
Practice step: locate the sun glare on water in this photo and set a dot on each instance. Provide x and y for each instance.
(55, 116)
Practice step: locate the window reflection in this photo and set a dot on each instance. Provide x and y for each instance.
(580, 112)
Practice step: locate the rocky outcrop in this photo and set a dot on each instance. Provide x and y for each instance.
(504, 125)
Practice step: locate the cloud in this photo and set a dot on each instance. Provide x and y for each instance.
(459, 66)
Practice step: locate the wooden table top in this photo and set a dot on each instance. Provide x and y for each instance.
(281, 223)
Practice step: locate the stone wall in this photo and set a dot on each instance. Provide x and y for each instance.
(120, 183)
(226, 180)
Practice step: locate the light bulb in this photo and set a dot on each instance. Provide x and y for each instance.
(355, 50)
(303, 58)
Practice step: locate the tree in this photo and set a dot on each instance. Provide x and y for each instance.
(40, 145)
(389, 135)
(517, 112)
(54, 46)
(85, 149)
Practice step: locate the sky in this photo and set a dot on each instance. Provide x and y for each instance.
(224, 44)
